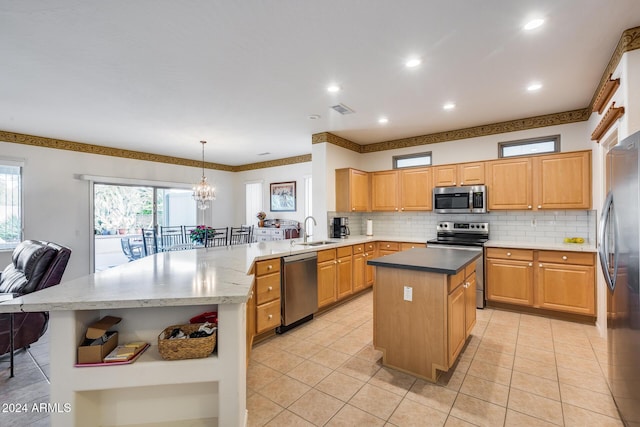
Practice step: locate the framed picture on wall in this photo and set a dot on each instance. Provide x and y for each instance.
(283, 196)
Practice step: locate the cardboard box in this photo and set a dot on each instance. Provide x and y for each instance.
(98, 341)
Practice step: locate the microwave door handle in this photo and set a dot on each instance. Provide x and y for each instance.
(603, 250)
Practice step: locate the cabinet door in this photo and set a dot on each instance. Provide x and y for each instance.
(384, 191)
(326, 283)
(563, 181)
(268, 316)
(457, 330)
(344, 275)
(359, 191)
(445, 175)
(510, 281)
(416, 189)
(471, 173)
(370, 270)
(568, 288)
(470, 303)
(251, 321)
(359, 266)
(510, 184)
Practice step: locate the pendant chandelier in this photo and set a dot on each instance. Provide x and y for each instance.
(203, 192)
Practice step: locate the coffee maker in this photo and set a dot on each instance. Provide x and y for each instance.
(340, 227)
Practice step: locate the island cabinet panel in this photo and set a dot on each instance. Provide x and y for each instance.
(267, 295)
(352, 190)
(563, 181)
(345, 272)
(359, 268)
(416, 189)
(384, 191)
(327, 277)
(470, 303)
(510, 184)
(370, 271)
(251, 322)
(457, 327)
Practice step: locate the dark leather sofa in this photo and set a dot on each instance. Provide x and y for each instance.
(35, 265)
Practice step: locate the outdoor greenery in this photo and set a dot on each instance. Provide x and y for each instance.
(119, 207)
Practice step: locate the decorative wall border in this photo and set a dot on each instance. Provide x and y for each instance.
(273, 163)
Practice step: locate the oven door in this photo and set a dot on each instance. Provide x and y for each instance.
(480, 299)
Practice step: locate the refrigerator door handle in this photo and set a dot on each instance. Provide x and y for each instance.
(603, 249)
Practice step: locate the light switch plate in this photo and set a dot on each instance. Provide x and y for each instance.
(408, 293)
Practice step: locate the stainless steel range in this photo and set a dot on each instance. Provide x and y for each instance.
(469, 236)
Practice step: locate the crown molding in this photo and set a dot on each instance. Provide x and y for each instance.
(273, 163)
(630, 40)
(318, 138)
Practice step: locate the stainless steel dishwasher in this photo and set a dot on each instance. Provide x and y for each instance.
(299, 289)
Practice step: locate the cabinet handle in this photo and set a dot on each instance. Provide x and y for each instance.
(353, 209)
(270, 316)
(388, 246)
(269, 267)
(508, 253)
(339, 260)
(270, 288)
(396, 208)
(335, 262)
(529, 207)
(454, 183)
(462, 183)
(539, 206)
(530, 264)
(466, 285)
(564, 257)
(539, 265)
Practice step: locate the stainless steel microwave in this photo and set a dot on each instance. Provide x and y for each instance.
(467, 199)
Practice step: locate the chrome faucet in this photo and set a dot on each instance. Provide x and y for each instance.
(306, 236)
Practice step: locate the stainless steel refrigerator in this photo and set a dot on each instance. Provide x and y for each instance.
(618, 252)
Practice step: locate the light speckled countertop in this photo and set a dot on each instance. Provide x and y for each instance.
(574, 247)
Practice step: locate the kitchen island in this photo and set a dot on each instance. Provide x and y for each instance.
(423, 308)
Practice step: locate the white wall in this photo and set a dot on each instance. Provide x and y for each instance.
(295, 172)
(56, 202)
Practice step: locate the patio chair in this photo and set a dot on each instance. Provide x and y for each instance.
(132, 250)
(149, 241)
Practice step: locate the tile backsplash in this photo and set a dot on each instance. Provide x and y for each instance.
(517, 226)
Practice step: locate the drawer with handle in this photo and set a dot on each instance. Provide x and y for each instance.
(267, 267)
(268, 288)
(566, 257)
(268, 316)
(509, 253)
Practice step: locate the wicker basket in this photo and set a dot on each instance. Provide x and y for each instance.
(186, 348)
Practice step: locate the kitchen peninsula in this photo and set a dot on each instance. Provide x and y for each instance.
(423, 308)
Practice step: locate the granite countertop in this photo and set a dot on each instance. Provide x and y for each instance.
(431, 259)
(574, 247)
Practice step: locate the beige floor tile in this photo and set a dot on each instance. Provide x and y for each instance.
(456, 422)
(571, 339)
(350, 416)
(504, 360)
(310, 373)
(578, 351)
(536, 341)
(536, 385)
(533, 353)
(535, 406)
(340, 386)
(498, 345)
(347, 345)
(284, 391)
(577, 363)
(316, 407)
(369, 353)
(432, 395)
(490, 372)
(261, 410)
(534, 367)
(506, 318)
(259, 375)
(593, 381)
(284, 341)
(283, 361)
(305, 348)
(478, 412)
(264, 351)
(452, 379)
(578, 417)
(518, 419)
(589, 400)
(330, 358)
(359, 368)
(325, 338)
(410, 413)
(394, 381)
(485, 390)
(376, 401)
(288, 419)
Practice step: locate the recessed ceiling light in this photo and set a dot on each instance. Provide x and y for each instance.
(383, 120)
(534, 23)
(534, 86)
(314, 116)
(333, 88)
(449, 106)
(413, 62)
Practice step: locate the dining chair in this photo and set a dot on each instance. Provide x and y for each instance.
(240, 235)
(149, 241)
(170, 238)
(217, 237)
(186, 233)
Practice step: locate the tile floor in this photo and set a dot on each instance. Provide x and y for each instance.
(516, 370)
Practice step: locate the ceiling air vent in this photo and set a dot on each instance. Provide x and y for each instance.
(343, 109)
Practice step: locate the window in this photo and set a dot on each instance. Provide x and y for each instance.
(527, 147)
(10, 204)
(412, 160)
(253, 194)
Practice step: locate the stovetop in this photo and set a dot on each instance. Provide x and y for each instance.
(461, 233)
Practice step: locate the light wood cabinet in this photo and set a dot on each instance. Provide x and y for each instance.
(352, 190)
(456, 324)
(267, 295)
(470, 298)
(251, 321)
(386, 248)
(384, 191)
(416, 189)
(405, 246)
(554, 181)
(327, 277)
(455, 175)
(345, 272)
(370, 271)
(553, 280)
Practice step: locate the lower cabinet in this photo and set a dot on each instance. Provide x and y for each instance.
(386, 248)
(345, 271)
(327, 277)
(359, 267)
(267, 295)
(461, 310)
(553, 280)
(370, 271)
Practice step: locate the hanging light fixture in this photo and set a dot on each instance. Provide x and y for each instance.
(203, 192)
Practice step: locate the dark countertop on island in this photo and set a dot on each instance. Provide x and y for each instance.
(430, 259)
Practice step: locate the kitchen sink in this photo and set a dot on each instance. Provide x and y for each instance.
(318, 243)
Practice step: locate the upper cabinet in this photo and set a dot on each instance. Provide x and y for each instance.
(352, 190)
(554, 181)
(459, 174)
(384, 191)
(416, 189)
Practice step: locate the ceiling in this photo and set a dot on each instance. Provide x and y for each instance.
(159, 76)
